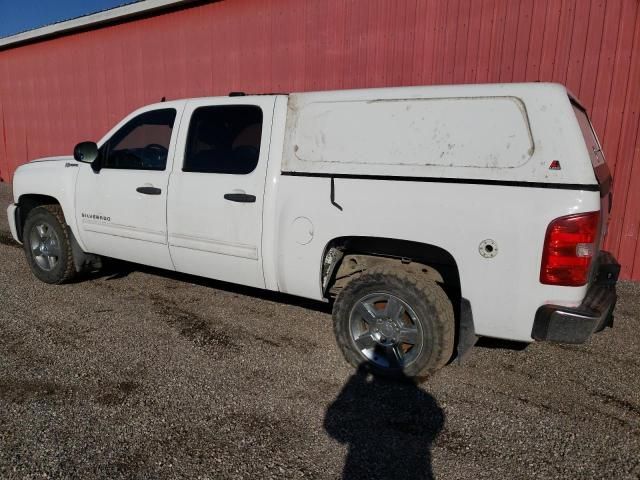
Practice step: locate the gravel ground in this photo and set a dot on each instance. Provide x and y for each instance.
(145, 374)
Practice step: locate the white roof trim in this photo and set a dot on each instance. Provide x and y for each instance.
(114, 14)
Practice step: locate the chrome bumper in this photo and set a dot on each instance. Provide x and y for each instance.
(556, 323)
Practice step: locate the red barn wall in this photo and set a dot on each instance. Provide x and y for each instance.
(56, 92)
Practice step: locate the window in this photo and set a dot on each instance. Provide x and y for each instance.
(224, 139)
(142, 143)
(595, 151)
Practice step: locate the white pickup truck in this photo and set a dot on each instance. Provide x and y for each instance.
(428, 215)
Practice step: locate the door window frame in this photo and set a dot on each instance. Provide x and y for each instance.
(265, 103)
(178, 106)
(190, 126)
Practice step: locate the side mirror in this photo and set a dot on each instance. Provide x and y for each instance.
(85, 152)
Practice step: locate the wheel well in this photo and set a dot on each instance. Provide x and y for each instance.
(431, 260)
(27, 203)
(346, 258)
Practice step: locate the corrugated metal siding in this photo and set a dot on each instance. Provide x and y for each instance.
(56, 92)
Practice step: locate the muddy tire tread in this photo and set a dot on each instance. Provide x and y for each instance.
(401, 280)
(55, 210)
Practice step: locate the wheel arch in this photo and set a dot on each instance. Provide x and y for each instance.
(443, 266)
(26, 203)
(422, 258)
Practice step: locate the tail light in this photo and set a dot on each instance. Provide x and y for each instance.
(569, 247)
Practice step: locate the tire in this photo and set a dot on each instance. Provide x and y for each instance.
(47, 245)
(387, 310)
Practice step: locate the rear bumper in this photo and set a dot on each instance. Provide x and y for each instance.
(12, 213)
(556, 323)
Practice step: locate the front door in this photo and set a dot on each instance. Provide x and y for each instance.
(216, 189)
(121, 208)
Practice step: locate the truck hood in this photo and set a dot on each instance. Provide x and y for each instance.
(64, 158)
(45, 163)
(47, 176)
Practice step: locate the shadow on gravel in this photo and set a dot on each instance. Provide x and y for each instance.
(118, 269)
(7, 239)
(389, 427)
(497, 343)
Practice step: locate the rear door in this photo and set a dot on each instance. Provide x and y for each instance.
(216, 190)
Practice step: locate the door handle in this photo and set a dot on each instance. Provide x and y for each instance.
(240, 197)
(149, 190)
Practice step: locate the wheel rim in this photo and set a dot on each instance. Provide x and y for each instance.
(45, 246)
(385, 330)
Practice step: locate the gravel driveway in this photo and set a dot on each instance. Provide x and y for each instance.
(140, 373)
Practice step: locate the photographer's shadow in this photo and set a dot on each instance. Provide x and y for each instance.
(389, 426)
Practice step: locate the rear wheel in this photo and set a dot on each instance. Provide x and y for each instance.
(400, 324)
(47, 245)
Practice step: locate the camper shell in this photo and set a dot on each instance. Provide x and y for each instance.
(504, 132)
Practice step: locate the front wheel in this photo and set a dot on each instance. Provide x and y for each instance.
(47, 245)
(398, 323)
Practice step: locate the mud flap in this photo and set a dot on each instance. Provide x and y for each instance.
(82, 261)
(467, 337)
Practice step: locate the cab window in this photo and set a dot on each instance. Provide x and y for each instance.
(142, 143)
(224, 139)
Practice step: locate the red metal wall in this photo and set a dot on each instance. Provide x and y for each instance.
(56, 92)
